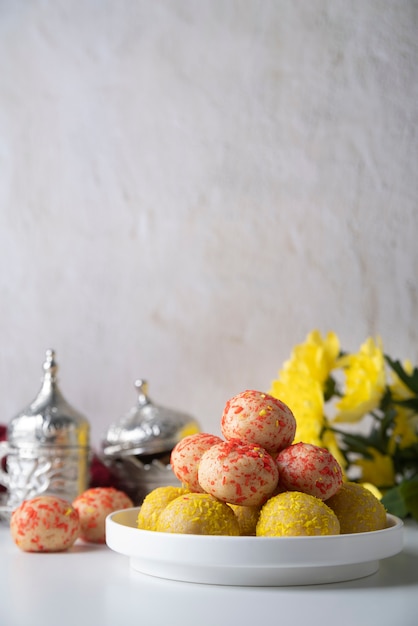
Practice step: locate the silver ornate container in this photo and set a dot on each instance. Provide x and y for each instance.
(137, 448)
(47, 445)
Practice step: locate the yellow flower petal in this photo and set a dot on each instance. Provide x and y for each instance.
(373, 489)
(365, 381)
(301, 381)
(378, 470)
(404, 432)
(317, 356)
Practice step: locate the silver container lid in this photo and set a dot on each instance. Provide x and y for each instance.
(49, 420)
(148, 430)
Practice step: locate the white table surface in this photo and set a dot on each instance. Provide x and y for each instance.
(92, 585)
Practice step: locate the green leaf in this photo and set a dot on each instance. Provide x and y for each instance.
(394, 502)
(410, 380)
(330, 389)
(402, 500)
(358, 444)
(388, 418)
(361, 444)
(386, 400)
(409, 403)
(409, 493)
(378, 438)
(408, 456)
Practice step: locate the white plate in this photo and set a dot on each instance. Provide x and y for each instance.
(251, 561)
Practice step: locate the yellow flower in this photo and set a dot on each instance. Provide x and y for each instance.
(316, 379)
(305, 399)
(365, 381)
(378, 471)
(301, 380)
(191, 428)
(406, 421)
(373, 489)
(404, 433)
(317, 356)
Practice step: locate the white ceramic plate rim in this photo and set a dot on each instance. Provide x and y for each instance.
(186, 557)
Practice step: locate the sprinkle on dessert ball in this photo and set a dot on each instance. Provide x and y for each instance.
(357, 509)
(293, 513)
(310, 469)
(186, 455)
(260, 419)
(93, 506)
(198, 514)
(44, 524)
(238, 472)
(154, 503)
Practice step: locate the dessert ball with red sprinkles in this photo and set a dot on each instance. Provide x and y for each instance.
(93, 506)
(186, 455)
(310, 469)
(260, 419)
(238, 472)
(44, 524)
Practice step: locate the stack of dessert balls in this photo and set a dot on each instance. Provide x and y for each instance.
(256, 481)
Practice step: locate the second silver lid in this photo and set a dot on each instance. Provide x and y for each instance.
(147, 429)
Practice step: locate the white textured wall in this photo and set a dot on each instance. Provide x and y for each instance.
(188, 188)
